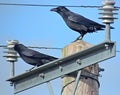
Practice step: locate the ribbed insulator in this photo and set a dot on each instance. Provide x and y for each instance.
(108, 8)
(11, 54)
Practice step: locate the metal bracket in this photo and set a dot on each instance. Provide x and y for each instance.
(63, 66)
(76, 83)
(50, 88)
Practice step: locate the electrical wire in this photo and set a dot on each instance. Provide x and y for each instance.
(4, 46)
(45, 47)
(117, 51)
(57, 48)
(13, 4)
(39, 5)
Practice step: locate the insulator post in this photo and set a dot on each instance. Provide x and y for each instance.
(107, 18)
(11, 55)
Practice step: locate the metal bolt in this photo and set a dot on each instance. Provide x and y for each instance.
(101, 69)
(78, 61)
(61, 68)
(42, 75)
(106, 46)
(11, 83)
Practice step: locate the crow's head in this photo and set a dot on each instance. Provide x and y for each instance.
(60, 9)
(19, 47)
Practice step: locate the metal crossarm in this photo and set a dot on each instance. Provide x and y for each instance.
(61, 66)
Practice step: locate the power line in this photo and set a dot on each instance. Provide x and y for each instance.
(4, 46)
(45, 47)
(37, 47)
(13, 4)
(39, 5)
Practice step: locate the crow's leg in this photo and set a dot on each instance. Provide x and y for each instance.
(78, 38)
(31, 69)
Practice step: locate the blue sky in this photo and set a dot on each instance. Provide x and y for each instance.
(38, 26)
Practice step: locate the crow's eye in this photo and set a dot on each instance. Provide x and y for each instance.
(62, 10)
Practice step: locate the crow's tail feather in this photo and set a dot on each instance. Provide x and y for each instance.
(110, 27)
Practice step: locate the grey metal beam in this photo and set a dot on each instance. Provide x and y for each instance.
(64, 66)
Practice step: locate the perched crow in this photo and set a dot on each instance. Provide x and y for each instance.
(32, 57)
(77, 22)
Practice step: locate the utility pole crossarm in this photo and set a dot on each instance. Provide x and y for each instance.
(64, 66)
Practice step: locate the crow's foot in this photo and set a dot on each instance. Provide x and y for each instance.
(78, 38)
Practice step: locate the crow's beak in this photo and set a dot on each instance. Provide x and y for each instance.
(54, 9)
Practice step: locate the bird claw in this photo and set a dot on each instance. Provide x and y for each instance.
(31, 69)
(79, 38)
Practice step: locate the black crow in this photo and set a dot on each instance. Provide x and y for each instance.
(77, 22)
(32, 57)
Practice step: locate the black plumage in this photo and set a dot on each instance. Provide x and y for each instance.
(32, 57)
(77, 22)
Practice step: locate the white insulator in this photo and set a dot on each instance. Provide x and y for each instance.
(11, 55)
(107, 19)
(109, 2)
(108, 8)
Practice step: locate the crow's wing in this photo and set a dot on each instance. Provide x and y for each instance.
(85, 24)
(72, 23)
(36, 55)
(76, 18)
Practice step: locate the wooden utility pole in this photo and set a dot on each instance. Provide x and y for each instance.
(88, 83)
